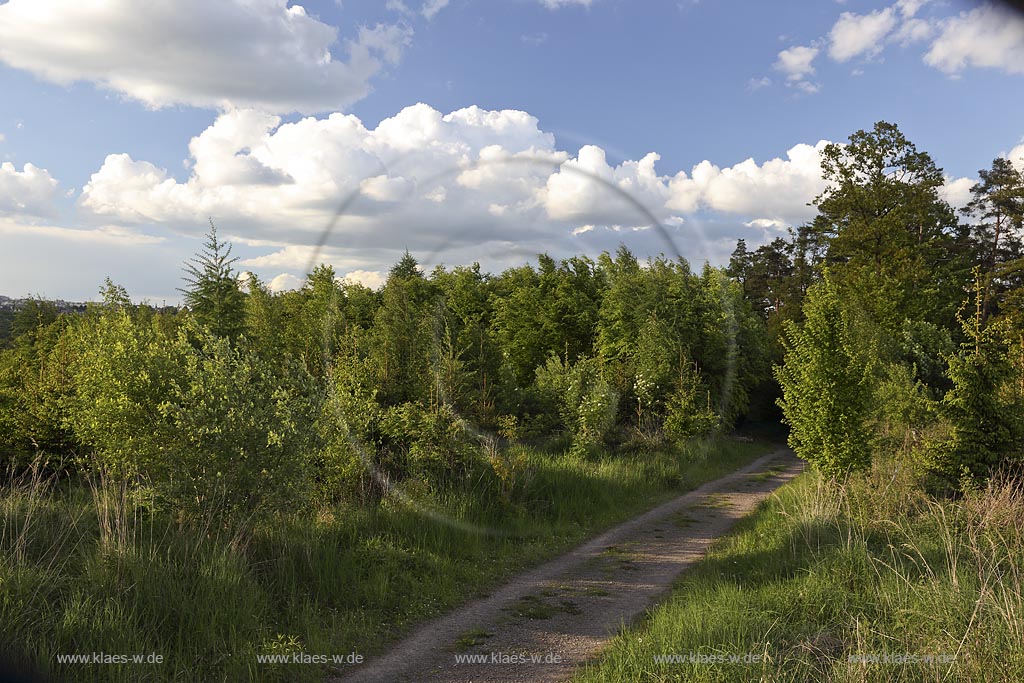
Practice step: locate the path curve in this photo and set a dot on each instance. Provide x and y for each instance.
(544, 623)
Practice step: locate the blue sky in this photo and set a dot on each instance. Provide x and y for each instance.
(470, 129)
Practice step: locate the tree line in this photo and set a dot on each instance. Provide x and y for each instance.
(899, 324)
(247, 401)
(887, 323)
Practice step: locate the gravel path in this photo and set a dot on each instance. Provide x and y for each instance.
(546, 622)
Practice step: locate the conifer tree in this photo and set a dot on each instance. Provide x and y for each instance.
(212, 293)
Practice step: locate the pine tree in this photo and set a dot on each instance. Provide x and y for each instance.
(997, 207)
(889, 233)
(212, 293)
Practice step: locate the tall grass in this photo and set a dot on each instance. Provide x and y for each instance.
(842, 583)
(89, 569)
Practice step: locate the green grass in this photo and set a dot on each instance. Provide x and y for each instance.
(823, 577)
(84, 571)
(540, 607)
(471, 638)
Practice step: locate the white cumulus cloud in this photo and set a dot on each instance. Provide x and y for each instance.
(854, 35)
(246, 53)
(28, 192)
(374, 279)
(470, 185)
(797, 62)
(957, 191)
(285, 282)
(778, 189)
(988, 36)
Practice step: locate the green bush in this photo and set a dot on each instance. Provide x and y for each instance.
(429, 444)
(827, 384)
(906, 410)
(343, 465)
(34, 384)
(587, 403)
(210, 428)
(243, 432)
(688, 410)
(122, 372)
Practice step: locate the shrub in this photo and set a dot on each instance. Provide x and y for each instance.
(343, 465)
(34, 384)
(587, 403)
(210, 428)
(688, 411)
(121, 373)
(242, 432)
(826, 380)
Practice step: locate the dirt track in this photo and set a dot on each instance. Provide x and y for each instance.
(544, 623)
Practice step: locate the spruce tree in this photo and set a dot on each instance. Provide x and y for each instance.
(212, 293)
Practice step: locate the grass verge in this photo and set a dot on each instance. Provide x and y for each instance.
(84, 571)
(871, 581)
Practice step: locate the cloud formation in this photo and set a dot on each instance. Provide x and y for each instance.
(472, 184)
(777, 190)
(988, 36)
(244, 53)
(797, 64)
(29, 192)
(854, 35)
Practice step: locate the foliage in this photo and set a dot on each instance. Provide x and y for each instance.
(982, 409)
(654, 355)
(242, 429)
(996, 215)
(122, 373)
(888, 232)
(212, 293)
(826, 382)
(209, 428)
(402, 336)
(35, 381)
(586, 402)
(688, 410)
